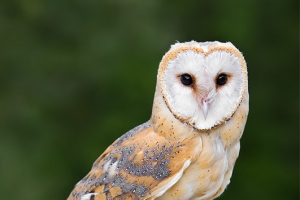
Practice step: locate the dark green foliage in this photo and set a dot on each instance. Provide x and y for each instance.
(75, 75)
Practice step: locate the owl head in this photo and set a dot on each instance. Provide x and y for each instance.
(203, 84)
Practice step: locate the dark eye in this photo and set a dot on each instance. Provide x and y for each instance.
(222, 79)
(186, 79)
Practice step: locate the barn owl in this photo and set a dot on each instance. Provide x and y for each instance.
(188, 148)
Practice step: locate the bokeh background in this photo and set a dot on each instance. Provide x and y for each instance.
(75, 75)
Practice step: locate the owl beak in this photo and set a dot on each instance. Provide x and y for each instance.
(205, 107)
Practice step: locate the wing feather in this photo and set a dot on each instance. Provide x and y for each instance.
(141, 164)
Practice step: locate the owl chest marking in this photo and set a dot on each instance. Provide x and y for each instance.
(211, 170)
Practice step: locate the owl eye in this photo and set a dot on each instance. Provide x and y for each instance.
(186, 79)
(222, 79)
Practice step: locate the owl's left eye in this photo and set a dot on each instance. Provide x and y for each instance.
(221, 79)
(186, 79)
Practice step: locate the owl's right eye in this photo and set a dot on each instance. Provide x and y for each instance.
(186, 79)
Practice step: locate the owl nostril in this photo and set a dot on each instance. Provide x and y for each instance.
(205, 107)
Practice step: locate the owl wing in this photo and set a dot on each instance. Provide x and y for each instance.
(141, 164)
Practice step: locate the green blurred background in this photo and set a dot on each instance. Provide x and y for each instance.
(75, 75)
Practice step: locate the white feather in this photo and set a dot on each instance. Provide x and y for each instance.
(112, 169)
(87, 196)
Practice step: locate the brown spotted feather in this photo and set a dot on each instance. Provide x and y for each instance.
(135, 166)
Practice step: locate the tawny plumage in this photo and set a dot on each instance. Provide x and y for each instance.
(188, 148)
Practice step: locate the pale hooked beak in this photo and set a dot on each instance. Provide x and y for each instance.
(205, 107)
